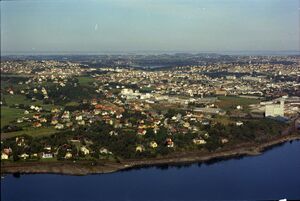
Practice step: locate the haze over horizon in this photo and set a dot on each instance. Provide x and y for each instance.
(149, 26)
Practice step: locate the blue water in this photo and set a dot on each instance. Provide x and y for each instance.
(273, 175)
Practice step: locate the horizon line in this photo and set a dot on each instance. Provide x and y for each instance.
(143, 52)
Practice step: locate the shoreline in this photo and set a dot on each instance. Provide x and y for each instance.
(85, 167)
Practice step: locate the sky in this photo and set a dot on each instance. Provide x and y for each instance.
(98, 26)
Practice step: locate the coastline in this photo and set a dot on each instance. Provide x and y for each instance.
(85, 167)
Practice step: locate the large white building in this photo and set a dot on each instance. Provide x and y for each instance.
(275, 110)
(130, 94)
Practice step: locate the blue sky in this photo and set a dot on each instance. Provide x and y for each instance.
(149, 25)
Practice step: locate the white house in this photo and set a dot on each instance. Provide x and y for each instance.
(47, 155)
(4, 156)
(199, 141)
(84, 150)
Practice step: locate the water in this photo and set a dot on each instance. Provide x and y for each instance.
(273, 175)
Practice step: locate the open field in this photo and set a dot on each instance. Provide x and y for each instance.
(21, 99)
(18, 99)
(10, 114)
(230, 102)
(223, 120)
(34, 132)
(85, 80)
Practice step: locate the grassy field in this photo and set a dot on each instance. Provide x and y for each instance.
(21, 99)
(230, 102)
(34, 132)
(10, 114)
(17, 99)
(73, 103)
(85, 80)
(223, 120)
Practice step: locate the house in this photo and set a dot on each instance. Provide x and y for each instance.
(239, 107)
(34, 155)
(119, 116)
(20, 141)
(66, 115)
(94, 102)
(54, 121)
(156, 129)
(43, 120)
(20, 120)
(153, 144)
(24, 156)
(68, 155)
(174, 118)
(69, 124)
(206, 135)
(59, 126)
(199, 141)
(221, 92)
(205, 123)
(81, 122)
(55, 110)
(11, 92)
(186, 124)
(169, 142)
(4, 156)
(37, 124)
(7, 151)
(97, 111)
(141, 132)
(140, 148)
(78, 118)
(224, 140)
(84, 150)
(239, 123)
(48, 148)
(104, 151)
(36, 116)
(111, 133)
(36, 108)
(47, 154)
(44, 91)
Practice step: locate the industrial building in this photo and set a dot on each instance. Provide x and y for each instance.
(275, 110)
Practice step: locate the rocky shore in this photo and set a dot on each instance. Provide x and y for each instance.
(88, 167)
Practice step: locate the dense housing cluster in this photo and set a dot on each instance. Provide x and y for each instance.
(112, 110)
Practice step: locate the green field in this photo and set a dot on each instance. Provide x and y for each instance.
(17, 99)
(21, 99)
(225, 120)
(10, 114)
(230, 102)
(73, 103)
(34, 132)
(85, 80)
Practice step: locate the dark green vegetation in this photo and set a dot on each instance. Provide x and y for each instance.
(123, 143)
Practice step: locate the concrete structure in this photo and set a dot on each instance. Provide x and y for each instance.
(275, 110)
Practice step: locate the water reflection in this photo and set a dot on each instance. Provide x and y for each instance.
(242, 178)
(16, 175)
